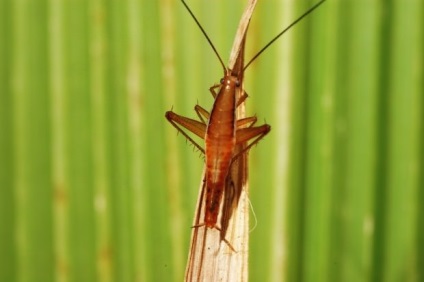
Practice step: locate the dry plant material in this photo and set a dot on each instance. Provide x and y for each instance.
(219, 244)
(219, 241)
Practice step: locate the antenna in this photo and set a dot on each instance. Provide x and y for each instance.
(204, 33)
(281, 33)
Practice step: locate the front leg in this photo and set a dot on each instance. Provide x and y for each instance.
(242, 98)
(212, 90)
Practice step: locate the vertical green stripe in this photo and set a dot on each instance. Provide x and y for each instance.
(60, 181)
(33, 193)
(7, 161)
(82, 246)
(403, 160)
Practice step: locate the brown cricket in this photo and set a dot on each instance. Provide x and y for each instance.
(222, 132)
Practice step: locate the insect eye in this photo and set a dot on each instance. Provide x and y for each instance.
(222, 81)
(237, 83)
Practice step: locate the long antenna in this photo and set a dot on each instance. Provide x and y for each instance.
(204, 33)
(281, 33)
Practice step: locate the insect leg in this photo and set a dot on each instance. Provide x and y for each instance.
(194, 126)
(248, 133)
(242, 98)
(212, 90)
(202, 113)
(246, 122)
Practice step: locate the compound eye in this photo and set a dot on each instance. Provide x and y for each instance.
(237, 83)
(222, 81)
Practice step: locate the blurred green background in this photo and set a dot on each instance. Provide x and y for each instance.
(95, 185)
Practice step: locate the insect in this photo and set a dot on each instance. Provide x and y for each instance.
(222, 132)
(226, 137)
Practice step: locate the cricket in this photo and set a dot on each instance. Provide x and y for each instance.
(220, 129)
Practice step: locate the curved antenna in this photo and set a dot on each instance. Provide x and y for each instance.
(281, 33)
(204, 33)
